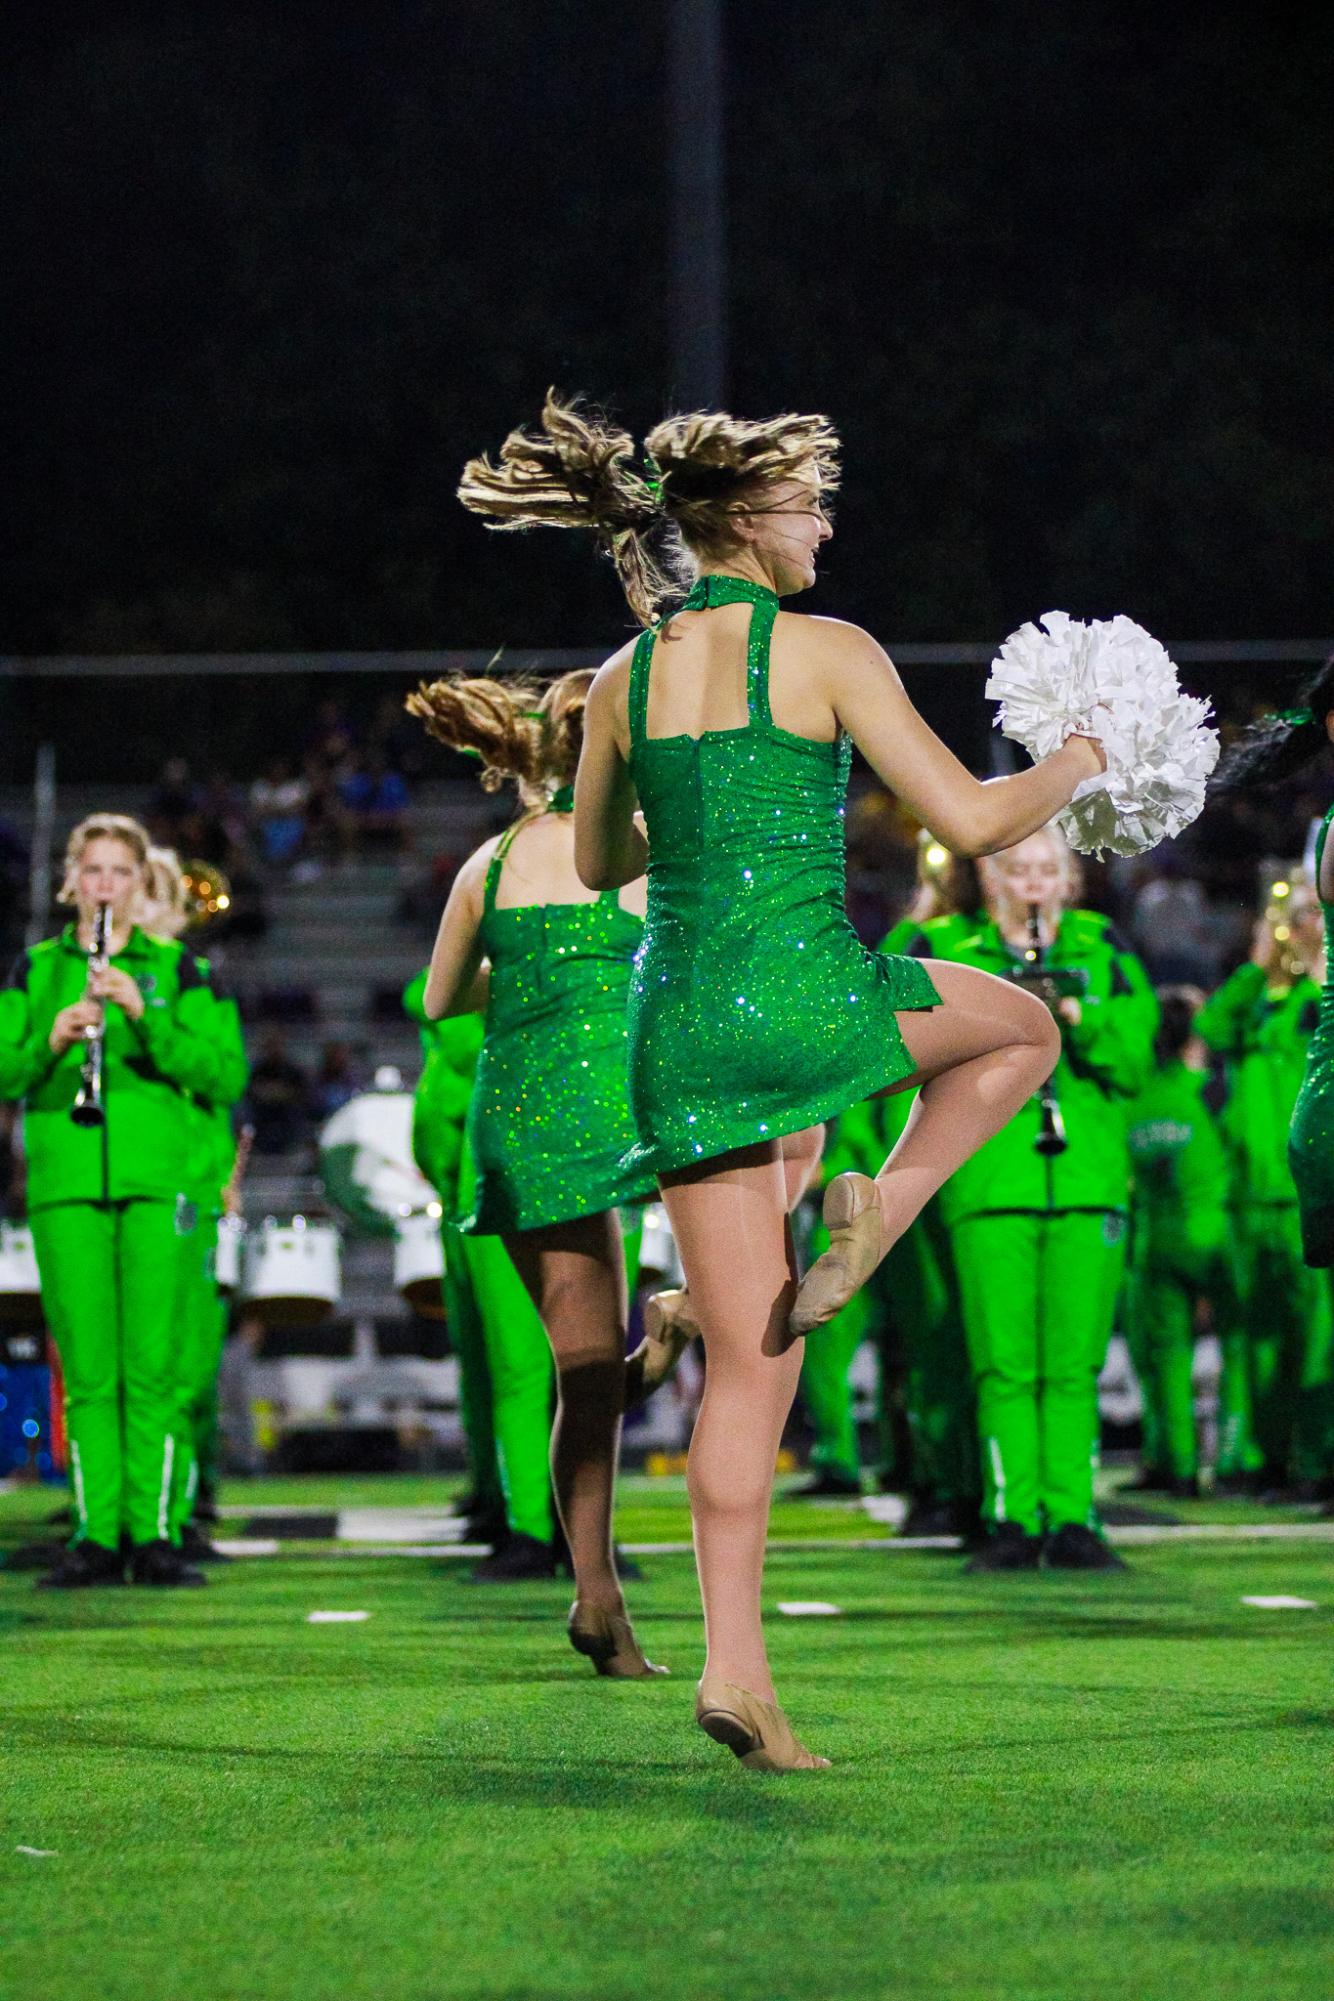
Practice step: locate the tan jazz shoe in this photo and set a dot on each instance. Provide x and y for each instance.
(853, 1219)
(609, 1642)
(756, 1732)
(669, 1328)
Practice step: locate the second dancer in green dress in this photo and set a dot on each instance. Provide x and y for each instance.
(548, 1122)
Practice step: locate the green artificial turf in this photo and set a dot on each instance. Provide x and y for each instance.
(1045, 1788)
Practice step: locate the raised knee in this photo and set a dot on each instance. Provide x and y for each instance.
(1044, 1031)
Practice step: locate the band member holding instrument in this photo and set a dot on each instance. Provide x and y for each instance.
(105, 1199)
(1179, 1241)
(1277, 1349)
(1037, 1217)
(176, 900)
(505, 1370)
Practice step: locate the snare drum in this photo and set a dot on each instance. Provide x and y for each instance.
(419, 1262)
(659, 1258)
(227, 1267)
(20, 1281)
(293, 1272)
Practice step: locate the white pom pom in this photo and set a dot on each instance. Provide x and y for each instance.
(1110, 679)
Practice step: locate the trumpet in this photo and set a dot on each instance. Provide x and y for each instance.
(89, 1107)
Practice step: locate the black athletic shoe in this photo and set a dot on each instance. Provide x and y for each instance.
(83, 1564)
(1073, 1547)
(1228, 1484)
(1149, 1480)
(488, 1526)
(929, 1517)
(162, 1565)
(196, 1547)
(826, 1485)
(516, 1561)
(1005, 1547)
(1183, 1490)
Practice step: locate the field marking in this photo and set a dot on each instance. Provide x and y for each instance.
(1282, 1604)
(809, 1608)
(247, 1545)
(336, 1618)
(42, 1852)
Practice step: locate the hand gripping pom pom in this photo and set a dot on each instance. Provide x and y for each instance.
(1112, 680)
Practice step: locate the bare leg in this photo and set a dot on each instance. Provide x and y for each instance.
(575, 1274)
(670, 1320)
(978, 1056)
(730, 1223)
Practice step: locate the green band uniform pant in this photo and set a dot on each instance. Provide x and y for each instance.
(108, 1294)
(493, 1325)
(1285, 1324)
(201, 1322)
(1038, 1292)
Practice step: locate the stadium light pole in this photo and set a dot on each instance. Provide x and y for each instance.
(697, 231)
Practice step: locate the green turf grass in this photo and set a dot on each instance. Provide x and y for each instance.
(1045, 1788)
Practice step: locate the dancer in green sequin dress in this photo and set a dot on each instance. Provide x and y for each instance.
(755, 1011)
(548, 1120)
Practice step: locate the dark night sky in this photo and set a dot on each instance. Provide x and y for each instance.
(1060, 275)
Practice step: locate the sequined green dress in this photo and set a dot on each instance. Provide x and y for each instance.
(755, 1009)
(1311, 1136)
(549, 1119)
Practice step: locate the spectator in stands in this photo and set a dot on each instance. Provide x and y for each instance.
(278, 804)
(338, 1080)
(278, 1102)
(332, 739)
(376, 798)
(175, 797)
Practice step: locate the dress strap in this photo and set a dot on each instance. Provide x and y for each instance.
(640, 661)
(503, 846)
(757, 660)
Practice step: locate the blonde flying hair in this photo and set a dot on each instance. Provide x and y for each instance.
(658, 521)
(101, 826)
(519, 729)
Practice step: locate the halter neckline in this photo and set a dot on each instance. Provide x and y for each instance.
(562, 800)
(716, 588)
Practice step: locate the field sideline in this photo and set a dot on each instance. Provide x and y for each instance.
(1045, 1788)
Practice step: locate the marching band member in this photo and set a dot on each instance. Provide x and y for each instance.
(1037, 1217)
(104, 1032)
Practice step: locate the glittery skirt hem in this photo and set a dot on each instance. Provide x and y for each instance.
(497, 1214)
(667, 1157)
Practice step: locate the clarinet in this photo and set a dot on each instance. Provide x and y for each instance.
(89, 1107)
(1051, 1138)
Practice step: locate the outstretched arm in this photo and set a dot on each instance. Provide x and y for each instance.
(609, 847)
(972, 816)
(458, 982)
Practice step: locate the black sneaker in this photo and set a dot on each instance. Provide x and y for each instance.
(1229, 1484)
(488, 1525)
(162, 1565)
(83, 1564)
(196, 1547)
(1185, 1489)
(1005, 1547)
(1149, 1480)
(826, 1485)
(927, 1516)
(516, 1561)
(1073, 1547)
